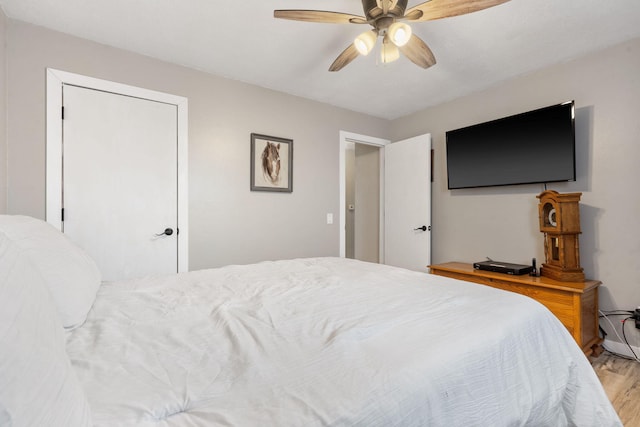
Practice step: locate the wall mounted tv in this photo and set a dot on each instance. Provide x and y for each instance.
(533, 147)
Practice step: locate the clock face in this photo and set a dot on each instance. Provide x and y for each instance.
(548, 216)
(552, 217)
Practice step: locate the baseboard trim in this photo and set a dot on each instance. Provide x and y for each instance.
(621, 348)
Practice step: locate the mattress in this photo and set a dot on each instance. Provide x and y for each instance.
(328, 342)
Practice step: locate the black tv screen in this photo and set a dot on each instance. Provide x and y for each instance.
(533, 147)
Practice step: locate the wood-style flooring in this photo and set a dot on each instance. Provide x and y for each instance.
(621, 381)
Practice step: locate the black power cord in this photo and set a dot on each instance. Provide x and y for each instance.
(625, 337)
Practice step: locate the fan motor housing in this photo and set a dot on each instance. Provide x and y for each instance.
(372, 11)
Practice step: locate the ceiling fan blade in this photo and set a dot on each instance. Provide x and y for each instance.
(418, 52)
(437, 9)
(319, 16)
(359, 20)
(347, 55)
(414, 15)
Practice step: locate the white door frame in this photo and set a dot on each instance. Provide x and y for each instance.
(55, 80)
(346, 137)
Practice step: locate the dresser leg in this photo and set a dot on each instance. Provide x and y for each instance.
(597, 348)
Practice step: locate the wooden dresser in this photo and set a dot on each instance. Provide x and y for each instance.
(574, 303)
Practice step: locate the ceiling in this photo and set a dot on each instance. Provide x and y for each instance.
(241, 40)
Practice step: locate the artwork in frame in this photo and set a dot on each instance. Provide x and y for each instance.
(271, 163)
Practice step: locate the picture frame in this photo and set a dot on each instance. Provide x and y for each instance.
(271, 163)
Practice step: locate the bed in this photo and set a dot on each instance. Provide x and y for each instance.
(302, 342)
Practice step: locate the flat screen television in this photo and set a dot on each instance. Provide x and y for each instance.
(533, 147)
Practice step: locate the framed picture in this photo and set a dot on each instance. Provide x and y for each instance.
(271, 163)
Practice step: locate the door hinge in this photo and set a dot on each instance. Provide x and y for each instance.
(62, 112)
(62, 214)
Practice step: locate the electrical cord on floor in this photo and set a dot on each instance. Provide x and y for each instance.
(625, 338)
(620, 355)
(616, 312)
(620, 313)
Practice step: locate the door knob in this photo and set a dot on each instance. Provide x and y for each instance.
(423, 228)
(167, 232)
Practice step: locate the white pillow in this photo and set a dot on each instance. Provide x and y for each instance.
(37, 384)
(71, 275)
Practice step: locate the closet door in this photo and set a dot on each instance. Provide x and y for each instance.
(120, 181)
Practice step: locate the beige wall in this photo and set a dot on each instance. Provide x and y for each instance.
(367, 202)
(3, 113)
(501, 222)
(228, 223)
(350, 199)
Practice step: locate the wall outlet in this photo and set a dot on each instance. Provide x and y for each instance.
(329, 218)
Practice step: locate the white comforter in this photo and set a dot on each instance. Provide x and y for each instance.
(328, 342)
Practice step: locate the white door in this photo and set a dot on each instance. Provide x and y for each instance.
(120, 175)
(407, 203)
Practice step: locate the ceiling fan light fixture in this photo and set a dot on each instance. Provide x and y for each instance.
(388, 52)
(399, 33)
(364, 42)
(382, 16)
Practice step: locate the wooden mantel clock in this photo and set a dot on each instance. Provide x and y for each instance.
(560, 222)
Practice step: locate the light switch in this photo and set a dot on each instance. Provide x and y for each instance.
(329, 218)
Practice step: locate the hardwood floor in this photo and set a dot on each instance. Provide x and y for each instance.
(621, 381)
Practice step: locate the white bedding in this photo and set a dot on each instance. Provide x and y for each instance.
(328, 342)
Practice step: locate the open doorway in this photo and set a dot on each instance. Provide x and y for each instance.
(362, 213)
(404, 212)
(361, 197)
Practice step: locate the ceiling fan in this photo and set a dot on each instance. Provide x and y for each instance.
(387, 19)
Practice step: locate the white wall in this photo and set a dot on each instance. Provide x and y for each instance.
(228, 223)
(502, 222)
